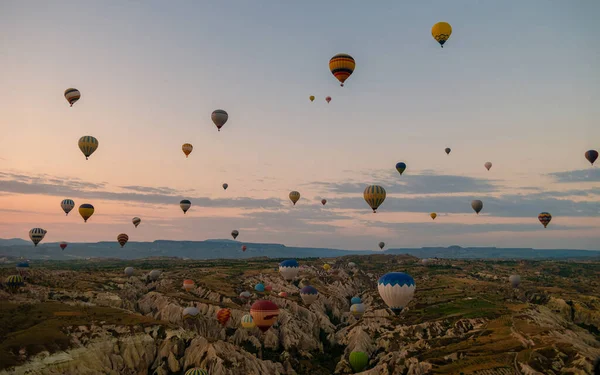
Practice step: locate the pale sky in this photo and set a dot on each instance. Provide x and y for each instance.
(517, 84)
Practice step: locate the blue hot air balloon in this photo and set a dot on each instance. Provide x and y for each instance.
(260, 287)
(396, 289)
(309, 294)
(289, 269)
(400, 167)
(355, 300)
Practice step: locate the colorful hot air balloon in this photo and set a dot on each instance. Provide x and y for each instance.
(396, 289)
(128, 271)
(381, 245)
(122, 239)
(14, 282)
(235, 233)
(323, 201)
(268, 289)
(187, 149)
(282, 294)
(400, 167)
(433, 215)
(196, 371)
(342, 66)
(488, 165)
(326, 267)
(248, 322)
(63, 245)
(312, 98)
(36, 235)
(87, 145)
(545, 218)
(328, 99)
(591, 156)
(358, 361)
(374, 196)
(86, 211)
(355, 300)
(441, 31)
(357, 309)
(289, 269)
(223, 316)
(190, 313)
(188, 285)
(185, 205)
(515, 280)
(447, 149)
(309, 294)
(264, 313)
(136, 221)
(477, 205)
(219, 117)
(260, 287)
(245, 295)
(225, 186)
(294, 196)
(72, 95)
(67, 205)
(244, 247)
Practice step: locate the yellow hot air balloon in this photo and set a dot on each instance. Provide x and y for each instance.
(441, 31)
(87, 145)
(374, 195)
(326, 267)
(342, 66)
(187, 149)
(312, 98)
(86, 210)
(294, 196)
(433, 215)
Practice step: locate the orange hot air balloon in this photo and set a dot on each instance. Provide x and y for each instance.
(122, 239)
(264, 313)
(188, 285)
(223, 316)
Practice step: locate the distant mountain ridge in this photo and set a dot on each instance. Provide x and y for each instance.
(229, 249)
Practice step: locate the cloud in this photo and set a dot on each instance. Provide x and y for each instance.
(580, 175)
(437, 229)
(153, 190)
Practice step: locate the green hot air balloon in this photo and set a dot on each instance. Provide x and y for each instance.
(358, 361)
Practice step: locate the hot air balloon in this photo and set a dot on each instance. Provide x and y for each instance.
(245, 295)
(396, 289)
(63, 245)
(154, 275)
(225, 186)
(477, 205)
(514, 280)
(187, 149)
(326, 267)
(447, 149)
(488, 165)
(358, 361)
(323, 201)
(312, 98)
(129, 271)
(282, 294)
(260, 287)
(72, 95)
(235, 233)
(591, 156)
(248, 322)
(545, 218)
(358, 309)
(219, 117)
(136, 221)
(223, 316)
(400, 167)
(355, 300)
(328, 99)
(86, 211)
(14, 282)
(374, 196)
(294, 196)
(433, 215)
(185, 205)
(122, 239)
(188, 285)
(196, 371)
(67, 205)
(268, 289)
(289, 269)
(381, 245)
(190, 313)
(264, 313)
(441, 31)
(309, 294)
(342, 66)
(23, 268)
(244, 247)
(87, 145)
(36, 235)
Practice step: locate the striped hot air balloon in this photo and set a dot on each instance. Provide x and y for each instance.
(87, 145)
(188, 285)
(72, 95)
(545, 218)
(342, 66)
(248, 322)
(219, 117)
(289, 269)
(374, 196)
(67, 205)
(185, 205)
(196, 371)
(264, 314)
(223, 316)
(190, 313)
(187, 149)
(122, 239)
(36, 235)
(14, 282)
(86, 211)
(396, 289)
(309, 294)
(136, 221)
(294, 196)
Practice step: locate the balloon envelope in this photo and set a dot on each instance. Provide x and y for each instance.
(219, 118)
(294, 196)
(545, 218)
(477, 206)
(87, 144)
(374, 196)
(136, 221)
(488, 165)
(235, 233)
(342, 66)
(289, 269)
(187, 149)
(247, 321)
(86, 211)
(433, 215)
(396, 289)
(591, 156)
(323, 201)
(441, 31)
(358, 361)
(223, 316)
(67, 205)
(129, 271)
(355, 300)
(514, 280)
(122, 239)
(381, 245)
(447, 150)
(264, 313)
(309, 294)
(72, 95)
(225, 186)
(400, 167)
(37, 235)
(185, 205)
